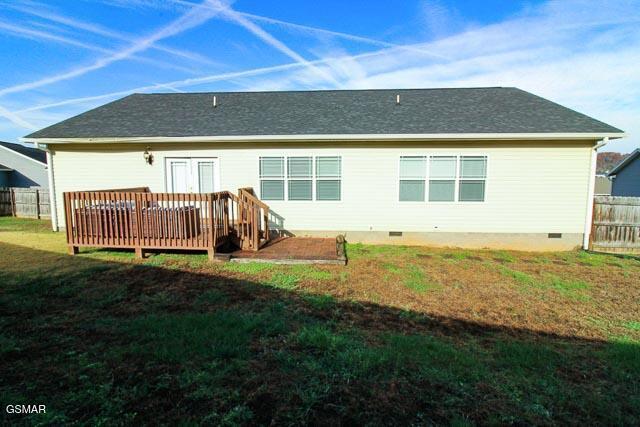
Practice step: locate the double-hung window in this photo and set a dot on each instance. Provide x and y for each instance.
(442, 178)
(450, 178)
(412, 178)
(272, 178)
(300, 175)
(300, 178)
(473, 176)
(328, 178)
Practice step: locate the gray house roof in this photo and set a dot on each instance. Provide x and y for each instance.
(625, 162)
(331, 112)
(33, 153)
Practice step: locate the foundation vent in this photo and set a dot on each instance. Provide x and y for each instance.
(555, 235)
(395, 234)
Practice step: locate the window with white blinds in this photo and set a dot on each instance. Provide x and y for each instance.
(272, 178)
(442, 178)
(303, 177)
(412, 177)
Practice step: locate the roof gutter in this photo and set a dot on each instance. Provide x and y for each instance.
(588, 222)
(52, 188)
(334, 137)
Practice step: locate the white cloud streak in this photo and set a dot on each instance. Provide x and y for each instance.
(44, 12)
(39, 36)
(315, 31)
(192, 18)
(351, 37)
(227, 11)
(16, 119)
(173, 84)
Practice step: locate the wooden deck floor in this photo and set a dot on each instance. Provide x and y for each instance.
(293, 250)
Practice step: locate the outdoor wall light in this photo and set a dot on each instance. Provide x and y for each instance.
(148, 157)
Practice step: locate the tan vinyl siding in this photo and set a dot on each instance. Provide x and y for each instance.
(537, 187)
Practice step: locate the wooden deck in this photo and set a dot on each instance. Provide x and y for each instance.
(138, 219)
(294, 250)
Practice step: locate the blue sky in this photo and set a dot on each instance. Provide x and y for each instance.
(60, 58)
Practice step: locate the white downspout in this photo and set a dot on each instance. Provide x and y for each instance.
(592, 183)
(53, 206)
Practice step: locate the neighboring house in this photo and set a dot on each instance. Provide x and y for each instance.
(471, 167)
(22, 166)
(5, 176)
(626, 176)
(603, 186)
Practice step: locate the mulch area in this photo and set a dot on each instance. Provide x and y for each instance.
(298, 248)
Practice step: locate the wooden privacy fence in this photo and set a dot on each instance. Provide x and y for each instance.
(139, 219)
(616, 225)
(25, 202)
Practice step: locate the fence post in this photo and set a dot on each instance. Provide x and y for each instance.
(593, 224)
(13, 202)
(37, 203)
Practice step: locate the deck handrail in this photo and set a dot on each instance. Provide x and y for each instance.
(136, 218)
(260, 220)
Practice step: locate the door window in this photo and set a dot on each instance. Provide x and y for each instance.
(191, 175)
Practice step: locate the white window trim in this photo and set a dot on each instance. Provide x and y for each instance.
(282, 178)
(333, 178)
(426, 179)
(454, 179)
(457, 179)
(485, 179)
(314, 178)
(297, 178)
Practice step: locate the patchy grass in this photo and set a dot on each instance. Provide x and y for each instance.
(633, 325)
(309, 272)
(248, 268)
(283, 281)
(417, 280)
(570, 288)
(358, 250)
(320, 302)
(504, 257)
(518, 276)
(508, 338)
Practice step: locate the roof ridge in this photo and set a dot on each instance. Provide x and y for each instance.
(328, 90)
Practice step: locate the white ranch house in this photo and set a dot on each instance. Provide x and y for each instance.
(471, 167)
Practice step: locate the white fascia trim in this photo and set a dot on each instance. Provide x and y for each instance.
(23, 156)
(334, 137)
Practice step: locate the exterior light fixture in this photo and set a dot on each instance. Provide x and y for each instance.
(148, 157)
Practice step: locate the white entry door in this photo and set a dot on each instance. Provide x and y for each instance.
(192, 175)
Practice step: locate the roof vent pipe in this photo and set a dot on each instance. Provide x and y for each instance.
(215, 101)
(398, 99)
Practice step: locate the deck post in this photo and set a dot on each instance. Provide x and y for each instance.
(211, 254)
(139, 252)
(73, 250)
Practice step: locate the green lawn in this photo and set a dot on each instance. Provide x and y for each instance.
(401, 335)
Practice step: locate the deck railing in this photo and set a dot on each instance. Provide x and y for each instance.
(139, 219)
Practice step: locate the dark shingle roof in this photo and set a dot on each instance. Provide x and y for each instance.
(625, 162)
(34, 153)
(421, 111)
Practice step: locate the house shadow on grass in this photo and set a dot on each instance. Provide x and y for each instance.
(99, 341)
